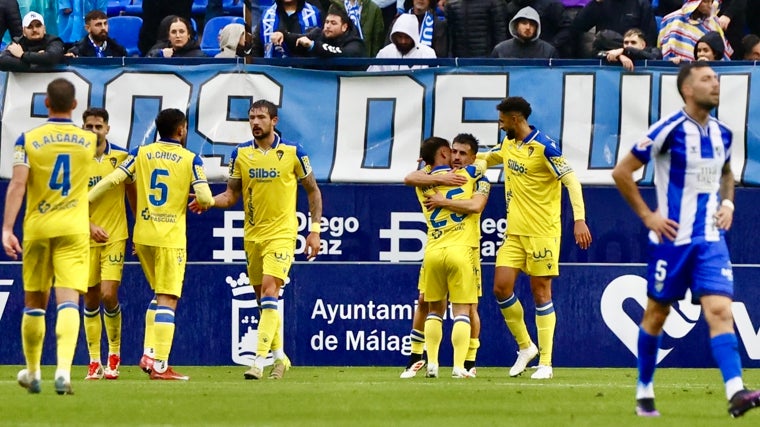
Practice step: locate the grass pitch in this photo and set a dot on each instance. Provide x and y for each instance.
(371, 396)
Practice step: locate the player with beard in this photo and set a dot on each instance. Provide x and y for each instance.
(265, 172)
(96, 44)
(404, 45)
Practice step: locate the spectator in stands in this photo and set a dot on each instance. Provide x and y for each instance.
(180, 42)
(432, 28)
(34, 50)
(153, 12)
(681, 28)
(634, 49)
(475, 26)
(367, 19)
(71, 20)
(732, 19)
(616, 15)
(97, 43)
(404, 45)
(47, 8)
(751, 47)
(10, 18)
(525, 28)
(284, 17)
(232, 41)
(337, 39)
(549, 12)
(710, 47)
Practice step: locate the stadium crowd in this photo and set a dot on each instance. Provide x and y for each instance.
(43, 33)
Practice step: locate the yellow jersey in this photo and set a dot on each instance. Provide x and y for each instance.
(163, 172)
(59, 155)
(533, 168)
(269, 183)
(447, 228)
(110, 211)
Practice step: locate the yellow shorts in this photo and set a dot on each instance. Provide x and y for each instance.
(107, 262)
(451, 271)
(163, 267)
(536, 256)
(271, 257)
(478, 274)
(62, 260)
(421, 280)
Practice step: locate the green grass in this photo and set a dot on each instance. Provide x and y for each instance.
(371, 396)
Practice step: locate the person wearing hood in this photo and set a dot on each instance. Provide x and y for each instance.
(337, 39)
(34, 50)
(284, 17)
(405, 44)
(680, 28)
(710, 47)
(525, 28)
(180, 44)
(433, 28)
(231, 40)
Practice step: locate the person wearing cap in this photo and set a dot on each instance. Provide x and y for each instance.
(710, 47)
(34, 50)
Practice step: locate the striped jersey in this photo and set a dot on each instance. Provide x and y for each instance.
(688, 161)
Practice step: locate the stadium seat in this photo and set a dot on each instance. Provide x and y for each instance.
(233, 7)
(210, 37)
(134, 7)
(199, 7)
(116, 7)
(125, 30)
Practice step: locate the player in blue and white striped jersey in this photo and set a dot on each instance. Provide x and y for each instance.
(691, 151)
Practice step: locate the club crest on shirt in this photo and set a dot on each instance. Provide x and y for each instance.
(280, 153)
(113, 161)
(530, 151)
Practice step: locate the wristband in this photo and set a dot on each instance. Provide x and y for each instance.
(728, 203)
(315, 227)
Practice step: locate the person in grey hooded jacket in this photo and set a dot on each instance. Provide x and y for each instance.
(525, 28)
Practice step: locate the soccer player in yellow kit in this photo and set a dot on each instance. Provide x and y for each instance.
(51, 165)
(533, 169)
(163, 172)
(266, 172)
(108, 237)
(452, 255)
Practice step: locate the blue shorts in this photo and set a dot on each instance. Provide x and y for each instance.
(704, 267)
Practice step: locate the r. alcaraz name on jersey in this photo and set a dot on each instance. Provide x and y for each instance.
(448, 228)
(109, 212)
(269, 180)
(688, 160)
(533, 168)
(59, 155)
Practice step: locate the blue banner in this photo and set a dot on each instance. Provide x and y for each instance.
(366, 127)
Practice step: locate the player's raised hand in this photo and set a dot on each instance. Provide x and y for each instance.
(312, 245)
(662, 227)
(582, 234)
(194, 206)
(11, 245)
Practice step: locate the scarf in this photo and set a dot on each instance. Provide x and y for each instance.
(355, 13)
(308, 17)
(426, 29)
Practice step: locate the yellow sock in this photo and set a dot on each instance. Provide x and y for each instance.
(66, 332)
(150, 321)
(460, 339)
(472, 351)
(433, 337)
(267, 325)
(418, 341)
(163, 332)
(32, 337)
(93, 329)
(546, 320)
(277, 338)
(112, 320)
(513, 314)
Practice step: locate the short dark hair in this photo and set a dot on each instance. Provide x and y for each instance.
(685, 71)
(266, 105)
(97, 112)
(431, 146)
(61, 95)
(515, 104)
(467, 139)
(341, 12)
(94, 14)
(635, 32)
(749, 42)
(169, 121)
